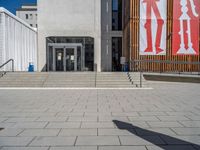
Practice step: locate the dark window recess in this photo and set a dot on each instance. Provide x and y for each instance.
(1, 129)
(116, 53)
(116, 15)
(26, 16)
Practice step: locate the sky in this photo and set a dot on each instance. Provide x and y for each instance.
(12, 5)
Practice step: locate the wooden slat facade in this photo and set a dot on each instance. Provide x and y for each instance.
(131, 41)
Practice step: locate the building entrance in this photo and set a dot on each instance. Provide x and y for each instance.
(67, 57)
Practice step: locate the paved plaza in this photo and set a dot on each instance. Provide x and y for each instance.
(165, 117)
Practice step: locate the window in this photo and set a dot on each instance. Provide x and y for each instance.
(31, 16)
(116, 15)
(36, 25)
(26, 16)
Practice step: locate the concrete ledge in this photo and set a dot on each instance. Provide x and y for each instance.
(172, 77)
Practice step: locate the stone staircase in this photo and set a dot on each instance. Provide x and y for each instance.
(70, 79)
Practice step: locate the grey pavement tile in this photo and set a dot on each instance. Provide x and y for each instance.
(165, 124)
(152, 113)
(6, 125)
(58, 125)
(143, 118)
(156, 131)
(122, 148)
(173, 118)
(97, 125)
(97, 140)
(53, 141)
(193, 124)
(169, 147)
(10, 132)
(135, 140)
(21, 119)
(15, 141)
(3, 119)
(77, 132)
(52, 119)
(111, 118)
(75, 148)
(115, 132)
(187, 131)
(39, 132)
(194, 117)
(173, 140)
(25, 148)
(83, 119)
(29, 125)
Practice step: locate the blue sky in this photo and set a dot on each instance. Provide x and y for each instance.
(12, 5)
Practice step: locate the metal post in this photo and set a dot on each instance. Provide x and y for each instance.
(140, 74)
(12, 65)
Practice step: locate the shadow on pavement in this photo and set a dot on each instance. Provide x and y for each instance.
(171, 143)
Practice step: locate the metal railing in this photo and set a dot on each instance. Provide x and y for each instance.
(4, 72)
(138, 65)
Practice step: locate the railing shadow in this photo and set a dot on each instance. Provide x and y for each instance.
(147, 135)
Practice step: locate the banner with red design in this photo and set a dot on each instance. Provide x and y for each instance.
(153, 18)
(186, 27)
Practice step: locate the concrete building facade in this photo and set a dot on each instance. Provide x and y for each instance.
(28, 13)
(79, 36)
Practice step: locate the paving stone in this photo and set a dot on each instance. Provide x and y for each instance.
(173, 118)
(40, 132)
(52, 119)
(165, 124)
(154, 131)
(175, 147)
(83, 119)
(115, 132)
(25, 148)
(187, 131)
(57, 125)
(30, 125)
(75, 148)
(53, 141)
(193, 124)
(10, 132)
(97, 140)
(97, 125)
(122, 148)
(15, 141)
(78, 132)
(143, 118)
(134, 140)
(21, 120)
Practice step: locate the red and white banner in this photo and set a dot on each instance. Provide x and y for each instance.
(186, 27)
(153, 16)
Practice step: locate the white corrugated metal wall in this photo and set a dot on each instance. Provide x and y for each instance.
(18, 41)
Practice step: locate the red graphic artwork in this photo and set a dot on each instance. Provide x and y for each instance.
(152, 5)
(186, 27)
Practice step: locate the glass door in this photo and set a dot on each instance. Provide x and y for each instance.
(59, 54)
(70, 59)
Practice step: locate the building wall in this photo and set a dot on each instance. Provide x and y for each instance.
(107, 34)
(131, 41)
(70, 18)
(27, 11)
(18, 41)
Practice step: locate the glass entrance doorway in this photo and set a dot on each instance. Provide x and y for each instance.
(66, 57)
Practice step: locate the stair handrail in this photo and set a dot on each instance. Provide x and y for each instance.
(10, 60)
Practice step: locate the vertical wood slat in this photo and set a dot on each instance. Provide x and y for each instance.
(131, 35)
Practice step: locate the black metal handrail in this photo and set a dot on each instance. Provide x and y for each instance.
(140, 62)
(10, 60)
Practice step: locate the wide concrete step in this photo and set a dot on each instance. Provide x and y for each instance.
(70, 79)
